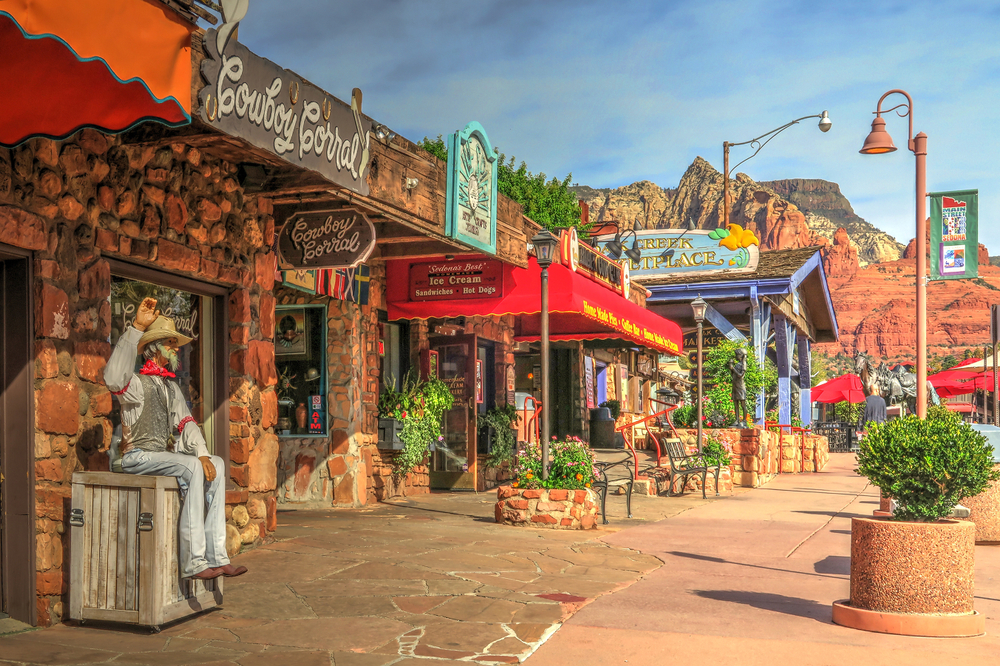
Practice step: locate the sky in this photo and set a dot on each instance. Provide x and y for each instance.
(617, 92)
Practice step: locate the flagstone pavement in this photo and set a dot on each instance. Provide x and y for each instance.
(429, 580)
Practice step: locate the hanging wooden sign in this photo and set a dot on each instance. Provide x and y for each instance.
(340, 238)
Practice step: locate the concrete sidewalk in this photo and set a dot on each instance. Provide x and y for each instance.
(431, 580)
(751, 580)
(748, 579)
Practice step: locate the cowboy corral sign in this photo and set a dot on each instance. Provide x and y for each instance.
(339, 238)
(677, 252)
(252, 98)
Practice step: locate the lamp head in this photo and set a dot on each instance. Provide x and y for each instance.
(700, 307)
(545, 247)
(825, 123)
(878, 140)
(634, 254)
(614, 247)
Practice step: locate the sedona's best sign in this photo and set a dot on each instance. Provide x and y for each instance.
(339, 238)
(274, 109)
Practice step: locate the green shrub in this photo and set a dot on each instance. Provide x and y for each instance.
(420, 406)
(715, 452)
(614, 407)
(500, 419)
(927, 466)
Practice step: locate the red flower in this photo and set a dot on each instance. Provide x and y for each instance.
(404, 415)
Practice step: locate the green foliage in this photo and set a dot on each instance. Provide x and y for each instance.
(435, 147)
(718, 410)
(420, 407)
(715, 452)
(846, 411)
(571, 466)
(614, 407)
(685, 416)
(500, 419)
(550, 203)
(927, 466)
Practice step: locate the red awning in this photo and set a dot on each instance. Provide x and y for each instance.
(106, 64)
(579, 309)
(962, 407)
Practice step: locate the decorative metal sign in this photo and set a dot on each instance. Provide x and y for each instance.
(954, 235)
(582, 258)
(471, 198)
(274, 109)
(460, 279)
(339, 238)
(678, 252)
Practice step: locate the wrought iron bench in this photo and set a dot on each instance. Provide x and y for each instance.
(683, 466)
(615, 474)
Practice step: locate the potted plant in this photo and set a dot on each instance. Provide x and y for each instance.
(912, 573)
(410, 419)
(500, 419)
(563, 500)
(614, 408)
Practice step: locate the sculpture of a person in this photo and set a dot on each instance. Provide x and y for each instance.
(153, 408)
(737, 371)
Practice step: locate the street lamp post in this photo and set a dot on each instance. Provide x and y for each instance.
(699, 306)
(879, 141)
(824, 125)
(545, 247)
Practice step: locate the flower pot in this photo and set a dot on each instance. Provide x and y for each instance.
(552, 508)
(985, 513)
(388, 434)
(912, 579)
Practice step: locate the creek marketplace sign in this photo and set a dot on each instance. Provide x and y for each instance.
(665, 252)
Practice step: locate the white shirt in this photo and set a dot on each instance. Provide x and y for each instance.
(118, 375)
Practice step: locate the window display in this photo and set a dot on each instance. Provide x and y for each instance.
(300, 357)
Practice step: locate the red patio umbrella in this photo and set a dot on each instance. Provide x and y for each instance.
(844, 388)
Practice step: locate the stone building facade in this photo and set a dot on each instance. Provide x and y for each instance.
(94, 206)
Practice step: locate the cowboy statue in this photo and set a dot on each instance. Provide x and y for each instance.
(153, 409)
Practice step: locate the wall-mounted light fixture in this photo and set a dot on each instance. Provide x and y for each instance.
(383, 133)
(411, 183)
(669, 252)
(616, 247)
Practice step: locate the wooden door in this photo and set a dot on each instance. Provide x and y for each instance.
(453, 464)
(17, 527)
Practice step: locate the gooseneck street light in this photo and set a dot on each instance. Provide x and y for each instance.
(699, 306)
(879, 141)
(616, 246)
(545, 249)
(824, 126)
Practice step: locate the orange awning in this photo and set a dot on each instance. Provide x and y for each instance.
(107, 64)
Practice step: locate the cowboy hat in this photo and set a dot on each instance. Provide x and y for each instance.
(162, 328)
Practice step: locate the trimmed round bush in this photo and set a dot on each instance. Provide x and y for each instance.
(927, 466)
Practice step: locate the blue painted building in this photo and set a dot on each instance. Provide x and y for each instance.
(783, 305)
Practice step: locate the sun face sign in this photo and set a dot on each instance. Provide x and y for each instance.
(472, 185)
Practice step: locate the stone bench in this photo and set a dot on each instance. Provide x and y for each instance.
(123, 552)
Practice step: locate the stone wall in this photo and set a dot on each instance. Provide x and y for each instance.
(78, 202)
(560, 509)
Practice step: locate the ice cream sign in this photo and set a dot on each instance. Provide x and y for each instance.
(664, 252)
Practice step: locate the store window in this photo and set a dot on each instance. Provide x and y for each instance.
(193, 315)
(394, 354)
(300, 357)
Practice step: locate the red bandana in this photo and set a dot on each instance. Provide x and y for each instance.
(151, 368)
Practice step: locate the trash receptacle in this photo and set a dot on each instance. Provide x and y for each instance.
(602, 429)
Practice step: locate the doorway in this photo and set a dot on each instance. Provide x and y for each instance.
(17, 528)
(453, 463)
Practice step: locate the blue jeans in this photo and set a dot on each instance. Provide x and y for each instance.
(201, 532)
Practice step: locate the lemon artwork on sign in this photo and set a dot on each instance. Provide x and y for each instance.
(737, 239)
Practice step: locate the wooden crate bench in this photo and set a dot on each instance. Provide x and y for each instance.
(123, 552)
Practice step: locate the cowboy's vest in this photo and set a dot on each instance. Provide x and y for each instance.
(151, 431)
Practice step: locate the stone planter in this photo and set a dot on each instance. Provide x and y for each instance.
(985, 513)
(388, 434)
(559, 509)
(912, 579)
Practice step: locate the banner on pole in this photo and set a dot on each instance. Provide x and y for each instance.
(954, 235)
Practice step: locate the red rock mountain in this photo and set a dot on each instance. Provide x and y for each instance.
(871, 277)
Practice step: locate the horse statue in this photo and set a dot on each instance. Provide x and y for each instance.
(897, 386)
